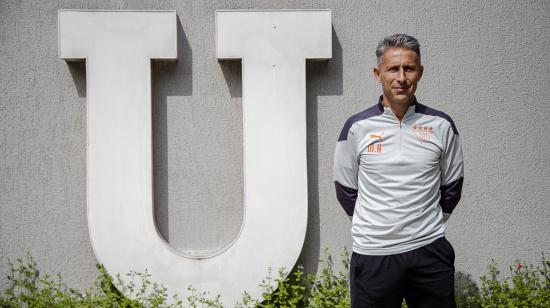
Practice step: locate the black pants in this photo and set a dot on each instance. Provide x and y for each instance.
(424, 277)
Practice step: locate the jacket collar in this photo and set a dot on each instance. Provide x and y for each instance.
(383, 109)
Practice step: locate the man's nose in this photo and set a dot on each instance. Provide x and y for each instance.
(401, 75)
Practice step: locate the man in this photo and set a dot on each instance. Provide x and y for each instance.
(398, 173)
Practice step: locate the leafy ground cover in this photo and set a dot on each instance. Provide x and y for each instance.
(525, 285)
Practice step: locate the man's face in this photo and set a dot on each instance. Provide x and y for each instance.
(399, 72)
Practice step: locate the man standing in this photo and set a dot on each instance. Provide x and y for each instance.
(398, 172)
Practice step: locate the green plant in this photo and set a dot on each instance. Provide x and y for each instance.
(289, 290)
(202, 299)
(27, 287)
(466, 291)
(330, 289)
(527, 286)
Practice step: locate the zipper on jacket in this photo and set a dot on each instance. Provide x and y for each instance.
(401, 136)
(407, 114)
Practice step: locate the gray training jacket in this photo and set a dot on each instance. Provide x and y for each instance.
(398, 179)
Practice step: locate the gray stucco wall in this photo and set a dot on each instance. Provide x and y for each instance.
(486, 64)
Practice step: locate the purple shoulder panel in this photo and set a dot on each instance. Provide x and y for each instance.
(373, 111)
(436, 113)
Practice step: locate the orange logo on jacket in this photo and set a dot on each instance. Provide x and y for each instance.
(375, 136)
(377, 146)
(374, 148)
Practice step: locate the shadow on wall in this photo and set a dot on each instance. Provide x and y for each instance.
(323, 78)
(175, 79)
(168, 79)
(78, 73)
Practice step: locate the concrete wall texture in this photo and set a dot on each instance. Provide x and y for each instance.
(487, 64)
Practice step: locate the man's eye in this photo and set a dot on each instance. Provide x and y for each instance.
(392, 70)
(410, 69)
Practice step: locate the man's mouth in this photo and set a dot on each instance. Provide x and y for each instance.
(400, 89)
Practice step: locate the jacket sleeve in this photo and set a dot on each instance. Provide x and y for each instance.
(452, 172)
(345, 170)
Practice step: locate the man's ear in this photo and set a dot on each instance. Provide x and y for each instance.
(421, 71)
(376, 73)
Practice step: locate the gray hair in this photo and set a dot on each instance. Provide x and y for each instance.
(397, 41)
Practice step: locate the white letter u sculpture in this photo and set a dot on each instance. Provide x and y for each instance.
(118, 47)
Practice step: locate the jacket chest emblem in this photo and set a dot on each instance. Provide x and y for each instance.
(422, 132)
